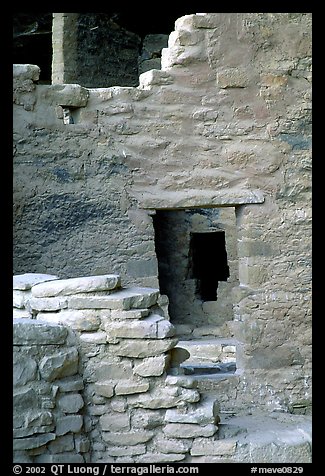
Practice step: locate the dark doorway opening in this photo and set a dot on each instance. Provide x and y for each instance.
(191, 262)
(208, 263)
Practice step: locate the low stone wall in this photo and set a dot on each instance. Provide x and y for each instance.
(91, 382)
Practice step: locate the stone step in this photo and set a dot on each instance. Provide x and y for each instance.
(123, 299)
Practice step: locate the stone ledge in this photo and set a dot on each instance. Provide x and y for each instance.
(24, 282)
(70, 286)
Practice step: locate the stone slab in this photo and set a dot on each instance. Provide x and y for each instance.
(28, 280)
(105, 282)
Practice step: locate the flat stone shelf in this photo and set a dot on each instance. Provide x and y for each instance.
(222, 369)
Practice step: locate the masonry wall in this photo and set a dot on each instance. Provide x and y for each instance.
(226, 122)
(97, 378)
(90, 371)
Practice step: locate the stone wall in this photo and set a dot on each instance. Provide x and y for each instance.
(224, 123)
(97, 378)
(90, 373)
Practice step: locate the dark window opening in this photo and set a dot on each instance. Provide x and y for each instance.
(32, 42)
(208, 263)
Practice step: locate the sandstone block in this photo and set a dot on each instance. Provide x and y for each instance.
(115, 422)
(172, 445)
(207, 446)
(165, 329)
(154, 326)
(148, 419)
(29, 418)
(23, 432)
(189, 430)
(97, 410)
(106, 389)
(47, 304)
(20, 298)
(113, 370)
(130, 438)
(154, 77)
(180, 55)
(70, 384)
(181, 381)
(24, 369)
(205, 412)
(164, 398)
(131, 314)
(33, 332)
(28, 280)
(68, 423)
(62, 444)
(82, 444)
(70, 286)
(79, 320)
(124, 299)
(93, 337)
(70, 403)
(119, 404)
(199, 20)
(128, 387)
(71, 95)
(152, 366)
(26, 71)
(33, 441)
(184, 38)
(21, 314)
(62, 364)
(146, 328)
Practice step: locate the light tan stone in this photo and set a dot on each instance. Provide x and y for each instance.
(76, 285)
(129, 438)
(189, 430)
(106, 389)
(206, 446)
(115, 422)
(129, 387)
(47, 304)
(136, 347)
(152, 366)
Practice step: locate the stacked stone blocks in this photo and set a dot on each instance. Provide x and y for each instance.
(94, 361)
